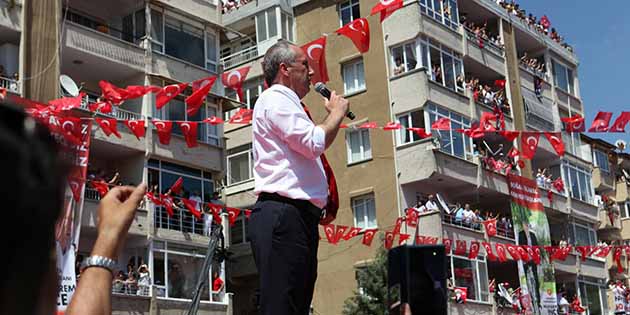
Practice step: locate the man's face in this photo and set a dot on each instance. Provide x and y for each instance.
(300, 73)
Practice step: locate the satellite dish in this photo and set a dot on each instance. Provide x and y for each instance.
(68, 85)
(621, 145)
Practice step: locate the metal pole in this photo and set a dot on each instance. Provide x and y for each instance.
(215, 238)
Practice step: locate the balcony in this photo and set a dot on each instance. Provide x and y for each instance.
(622, 191)
(181, 226)
(502, 232)
(205, 156)
(606, 224)
(141, 304)
(239, 57)
(592, 267)
(206, 10)
(603, 180)
(491, 55)
(527, 81)
(10, 85)
(89, 219)
(569, 102)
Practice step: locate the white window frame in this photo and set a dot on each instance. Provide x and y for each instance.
(572, 143)
(477, 277)
(625, 209)
(248, 88)
(567, 166)
(365, 150)
(592, 233)
(568, 72)
(603, 166)
(288, 28)
(406, 118)
(355, 202)
(265, 14)
(427, 7)
(419, 56)
(211, 137)
(347, 5)
(357, 85)
(584, 299)
(250, 162)
(211, 65)
(441, 112)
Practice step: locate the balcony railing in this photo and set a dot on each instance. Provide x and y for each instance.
(91, 194)
(101, 26)
(10, 84)
(125, 288)
(450, 219)
(117, 112)
(181, 220)
(239, 57)
(487, 44)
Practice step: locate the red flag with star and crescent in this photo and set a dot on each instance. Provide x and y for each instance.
(354, 231)
(234, 79)
(329, 230)
(200, 88)
(189, 129)
(232, 214)
(555, 139)
(136, 127)
(359, 32)
(368, 236)
(491, 227)
(601, 122)
(529, 144)
(386, 8)
(474, 249)
(163, 128)
(191, 205)
(242, 116)
(620, 123)
(574, 123)
(167, 93)
(109, 126)
(389, 240)
(489, 253)
(315, 52)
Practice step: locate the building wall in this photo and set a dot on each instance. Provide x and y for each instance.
(336, 273)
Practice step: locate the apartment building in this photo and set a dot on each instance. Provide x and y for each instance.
(144, 43)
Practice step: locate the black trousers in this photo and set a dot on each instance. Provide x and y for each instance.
(284, 238)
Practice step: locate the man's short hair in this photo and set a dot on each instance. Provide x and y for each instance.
(280, 52)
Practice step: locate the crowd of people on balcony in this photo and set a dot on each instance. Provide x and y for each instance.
(486, 94)
(231, 5)
(13, 80)
(542, 25)
(134, 281)
(534, 65)
(482, 33)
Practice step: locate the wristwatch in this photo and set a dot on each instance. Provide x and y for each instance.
(100, 261)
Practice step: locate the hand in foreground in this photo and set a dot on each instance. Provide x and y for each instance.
(115, 213)
(337, 103)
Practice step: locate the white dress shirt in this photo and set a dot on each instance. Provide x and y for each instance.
(287, 146)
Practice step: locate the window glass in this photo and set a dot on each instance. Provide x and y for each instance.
(601, 160)
(353, 77)
(358, 145)
(271, 23)
(261, 27)
(465, 274)
(211, 52)
(184, 41)
(451, 141)
(157, 33)
(349, 11)
(364, 211)
(239, 165)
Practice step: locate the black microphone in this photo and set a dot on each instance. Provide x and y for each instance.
(325, 92)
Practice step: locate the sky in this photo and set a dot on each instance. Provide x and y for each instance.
(599, 31)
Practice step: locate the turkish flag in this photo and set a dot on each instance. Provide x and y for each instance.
(75, 183)
(420, 132)
(167, 93)
(214, 120)
(100, 186)
(339, 232)
(487, 122)
(461, 295)
(248, 213)
(164, 128)
(66, 103)
(501, 254)
(514, 152)
(584, 251)
(201, 88)
(368, 125)
(448, 243)
(510, 135)
(617, 258)
(386, 8)
(315, 52)
(558, 184)
(167, 201)
(430, 240)
(192, 207)
(562, 253)
(620, 123)
(359, 32)
(389, 240)
(491, 227)
(499, 83)
(604, 251)
(574, 123)
(189, 129)
(354, 231)
(216, 211)
(232, 214)
(368, 236)
(529, 144)
(403, 238)
(555, 139)
(460, 247)
(536, 255)
(156, 201)
(177, 186)
(103, 107)
(601, 122)
(112, 93)
(234, 79)
(551, 251)
(136, 127)
(522, 252)
(474, 250)
(329, 230)
(441, 124)
(392, 126)
(135, 91)
(70, 128)
(242, 116)
(396, 230)
(489, 253)
(411, 217)
(109, 126)
(513, 250)
(544, 21)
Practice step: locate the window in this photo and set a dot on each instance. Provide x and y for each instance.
(563, 77)
(601, 161)
(409, 120)
(211, 51)
(176, 270)
(266, 26)
(405, 58)
(251, 91)
(579, 180)
(625, 209)
(133, 27)
(583, 234)
(157, 31)
(353, 77)
(176, 110)
(287, 26)
(443, 11)
(348, 12)
(471, 274)
(213, 135)
(590, 297)
(446, 66)
(238, 232)
(358, 144)
(364, 209)
(240, 164)
(572, 143)
(196, 183)
(451, 142)
(184, 41)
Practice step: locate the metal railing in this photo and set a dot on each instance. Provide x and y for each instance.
(100, 26)
(475, 225)
(10, 84)
(91, 194)
(117, 112)
(181, 220)
(239, 57)
(487, 44)
(125, 288)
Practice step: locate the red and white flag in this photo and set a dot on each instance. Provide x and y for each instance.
(489, 254)
(514, 152)
(403, 238)
(189, 130)
(112, 93)
(509, 135)
(501, 252)
(386, 8)
(441, 124)
(513, 250)
(100, 186)
(354, 231)
(135, 91)
(522, 253)
(368, 236)
(70, 127)
(536, 255)
(167, 201)
(474, 250)
(339, 232)
(461, 295)
(392, 126)
(359, 32)
(389, 240)
(460, 247)
(574, 123)
(620, 123)
(66, 103)
(75, 183)
(448, 243)
(368, 125)
(201, 88)
(315, 52)
(213, 120)
(167, 93)
(155, 200)
(234, 80)
(601, 122)
(164, 128)
(242, 116)
(397, 227)
(232, 214)
(103, 107)
(191, 205)
(136, 127)
(529, 144)
(109, 126)
(421, 132)
(329, 230)
(490, 227)
(555, 139)
(177, 186)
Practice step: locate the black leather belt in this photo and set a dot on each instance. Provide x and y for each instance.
(298, 203)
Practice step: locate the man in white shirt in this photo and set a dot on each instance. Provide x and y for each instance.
(290, 182)
(431, 204)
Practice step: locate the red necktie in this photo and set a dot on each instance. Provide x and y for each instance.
(333, 195)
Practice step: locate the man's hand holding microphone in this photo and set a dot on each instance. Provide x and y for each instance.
(337, 107)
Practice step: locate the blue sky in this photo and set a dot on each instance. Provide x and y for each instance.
(600, 34)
